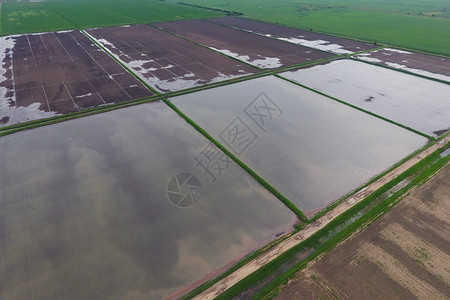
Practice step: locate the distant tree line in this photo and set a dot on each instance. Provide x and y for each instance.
(228, 12)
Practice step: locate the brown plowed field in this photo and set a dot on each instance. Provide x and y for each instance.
(257, 50)
(63, 72)
(403, 255)
(434, 66)
(277, 31)
(165, 61)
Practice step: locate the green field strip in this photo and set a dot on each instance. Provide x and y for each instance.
(401, 70)
(339, 229)
(75, 115)
(358, 108)
(204, 46)
(258, 178)
(118, 61)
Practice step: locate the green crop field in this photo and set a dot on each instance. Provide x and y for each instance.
(24, 17)
(421, 25)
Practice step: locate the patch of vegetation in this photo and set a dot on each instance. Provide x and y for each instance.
(27, 17)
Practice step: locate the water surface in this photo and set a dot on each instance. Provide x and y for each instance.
(418, 103)
(85, 212)
(309, 147)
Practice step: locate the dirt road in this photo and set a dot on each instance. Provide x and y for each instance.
(312, 228)
(403, 255)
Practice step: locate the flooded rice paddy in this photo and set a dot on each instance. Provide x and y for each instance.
(311, 148)
(418, 103)
(418, 63)
(90, 208)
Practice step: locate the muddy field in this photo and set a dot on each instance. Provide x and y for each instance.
(418, 63)
(165, 61)
(57, 73)
(403, 255)
(117, 206)
(256, 50)
(314, 40)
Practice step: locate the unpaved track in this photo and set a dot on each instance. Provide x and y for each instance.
(224, 284)
(403, 255)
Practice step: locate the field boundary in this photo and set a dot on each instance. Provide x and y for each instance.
(290, 246)
(94, 40)
(258, 178)
(201, 45)
(7, 130)
(270, 37)
(347, 37)
(358, 108)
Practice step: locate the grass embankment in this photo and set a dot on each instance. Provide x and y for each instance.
(339, 229)
(86, 112)
(258, 178)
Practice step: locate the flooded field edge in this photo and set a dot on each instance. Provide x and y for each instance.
(334, 234)
(286, 228)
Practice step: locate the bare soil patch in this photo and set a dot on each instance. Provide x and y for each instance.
(311, 39)
(167, 62)
(418, 63)
(257, 50)
(59, 73)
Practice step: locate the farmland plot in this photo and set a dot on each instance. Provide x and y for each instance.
(418, 63)
(58, 73)
(404, 254)
(311, 149)
(256, 50)
(310, 39)
(166, 62)
(116, 206)
(418, 103)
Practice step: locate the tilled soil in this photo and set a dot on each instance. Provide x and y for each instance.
(405, 254)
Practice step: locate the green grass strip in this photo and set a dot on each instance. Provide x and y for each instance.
(426, 168)
(258, 178)
(402, 161)
(7, 130)
(358, 108)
